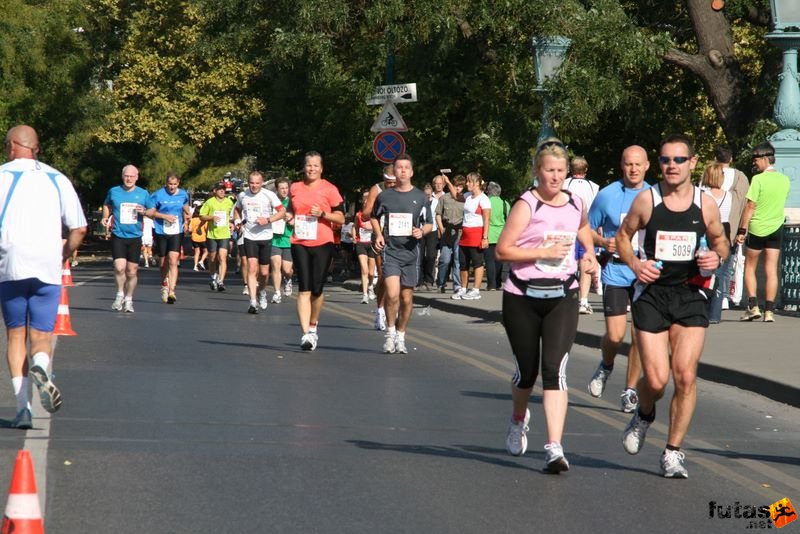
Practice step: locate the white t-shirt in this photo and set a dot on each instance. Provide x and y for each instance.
(265, 203)
(31, 218)
(473, 209)
(147, 231)
(585, 189)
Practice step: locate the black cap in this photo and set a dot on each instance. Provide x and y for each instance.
(219, 185)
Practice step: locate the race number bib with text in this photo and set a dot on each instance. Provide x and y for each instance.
(400, 224)
(551, 237)
(128, 213)
(675, 246)
(305, 227)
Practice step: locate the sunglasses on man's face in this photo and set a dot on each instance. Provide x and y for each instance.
(679, 160)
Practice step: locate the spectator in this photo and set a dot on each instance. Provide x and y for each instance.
(712, 181)
(500, 208)
(449, 215)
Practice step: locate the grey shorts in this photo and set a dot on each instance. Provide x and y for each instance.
(284, 253)
(407, 271)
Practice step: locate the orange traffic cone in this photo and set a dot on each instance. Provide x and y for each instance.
(66, 275)
(23, 514)
(63, 322)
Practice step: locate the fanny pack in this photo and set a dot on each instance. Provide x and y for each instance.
(543, 288)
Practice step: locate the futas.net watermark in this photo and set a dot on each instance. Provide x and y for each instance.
(775, 515)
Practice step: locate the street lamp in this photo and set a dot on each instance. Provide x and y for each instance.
(785, 15)
(548, 55)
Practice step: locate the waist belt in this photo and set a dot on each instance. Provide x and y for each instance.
(543, 288)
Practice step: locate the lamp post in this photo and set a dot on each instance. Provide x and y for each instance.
(548, 55)
(786, 36)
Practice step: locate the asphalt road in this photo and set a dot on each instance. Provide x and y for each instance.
(199, 418)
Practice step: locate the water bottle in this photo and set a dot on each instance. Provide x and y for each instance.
(702, 250)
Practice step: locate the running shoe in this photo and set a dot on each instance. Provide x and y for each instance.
(389, 343)
(472, 294)
(171, 298)
(554, 461)
(308, 341)
(287, 287)
(459, 294)
(245, 291)
(23, 420)
(380, 319)
(118, 301)
(196, 269)
(164, 294)
(365, 299)
(751, 314)
(672, 464)
(128, 306)
(635, 432)
(371, 293)
(74, 263)
(220, 286)
(252, 309)
(585, 309)
(400, 345)
(769, 316)
(48, 392)
(276, 298)
(202, 266)
(263, 303)
(629, 400)
(213, 284)
(517, 439)
(598, 382)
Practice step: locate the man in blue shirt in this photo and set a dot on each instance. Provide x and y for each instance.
(126, 203)
(605, 217)
(169, 209)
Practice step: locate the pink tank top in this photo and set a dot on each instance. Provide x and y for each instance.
(548, 224)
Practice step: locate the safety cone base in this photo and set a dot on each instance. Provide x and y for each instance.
(23, 514)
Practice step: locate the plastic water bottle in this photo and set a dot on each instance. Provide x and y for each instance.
(702, 250)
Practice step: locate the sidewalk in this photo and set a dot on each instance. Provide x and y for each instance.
(759, 357)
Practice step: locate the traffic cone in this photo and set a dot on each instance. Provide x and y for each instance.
(66, 275)
(63, 322)
(23, 514)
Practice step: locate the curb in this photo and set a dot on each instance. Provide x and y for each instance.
(713, 373)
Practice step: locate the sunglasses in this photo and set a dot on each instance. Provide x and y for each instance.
(680, 160)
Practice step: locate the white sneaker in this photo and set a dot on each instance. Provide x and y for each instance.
(308, 341)
(262, 300)
(276, 298)
(164, 294)
(389, 343)
(380, 319)
(516, 439)
(365, 299)
(287, 287)
(585, 309)
(400, 345)
(629, 400)
(245, 291)
(371, 293)
(598, 382)
(672, 464)
(472, 294)
(196, 269)
(635, 432)
(118, 301)
(554, 461)
(459, 294)
(128, 306)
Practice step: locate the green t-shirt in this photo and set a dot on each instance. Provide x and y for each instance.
(283, 240)
(497, 219)
(221, 210)
(769, 191)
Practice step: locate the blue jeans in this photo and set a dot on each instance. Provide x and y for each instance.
(448, 255)
(723, 280)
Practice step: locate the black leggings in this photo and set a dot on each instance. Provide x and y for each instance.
(311, 265)
(541, 330)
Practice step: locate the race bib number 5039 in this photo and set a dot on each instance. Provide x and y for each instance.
(675, 246)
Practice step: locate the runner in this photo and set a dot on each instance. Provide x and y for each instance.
(366, 212)
(406, 217)
(126, 203)
(198, 230)
(169, 209)
(281, 256)
(257, 208)
(362, 236)
(316, 203)
(217, 212)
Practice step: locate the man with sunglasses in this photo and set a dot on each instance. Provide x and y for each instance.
(761, 229)
(669, 308)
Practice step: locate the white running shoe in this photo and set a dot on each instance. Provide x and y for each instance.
(48, 392)
(672, 464)
(371, 292)
(365, 299)
(629, 400)
(389, 342)
(516, 439)
(276, 298)
(164, 294)
(585, 309)
(554, 461)
(128, 306)
(308, 341)
(400, 345)
(245, 291)
(459, 294)
(118, 301)
(380, 319)
(472, 294)
(287, 287)
(598, 382)
(263, 303)
(635, 432)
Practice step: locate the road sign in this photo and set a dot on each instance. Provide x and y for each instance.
(389, 119)
(388, 145)
(399, 94)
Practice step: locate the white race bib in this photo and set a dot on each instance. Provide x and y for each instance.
(220, 217)
(128, 213)
(551, 237)
(675, 246)
(364, 235)
(305, 227)
(252, 212)
(278, 227)
(171, 228)
(400, 224)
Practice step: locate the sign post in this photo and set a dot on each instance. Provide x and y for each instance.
(387, 146)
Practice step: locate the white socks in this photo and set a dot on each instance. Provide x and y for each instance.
(20, 385)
